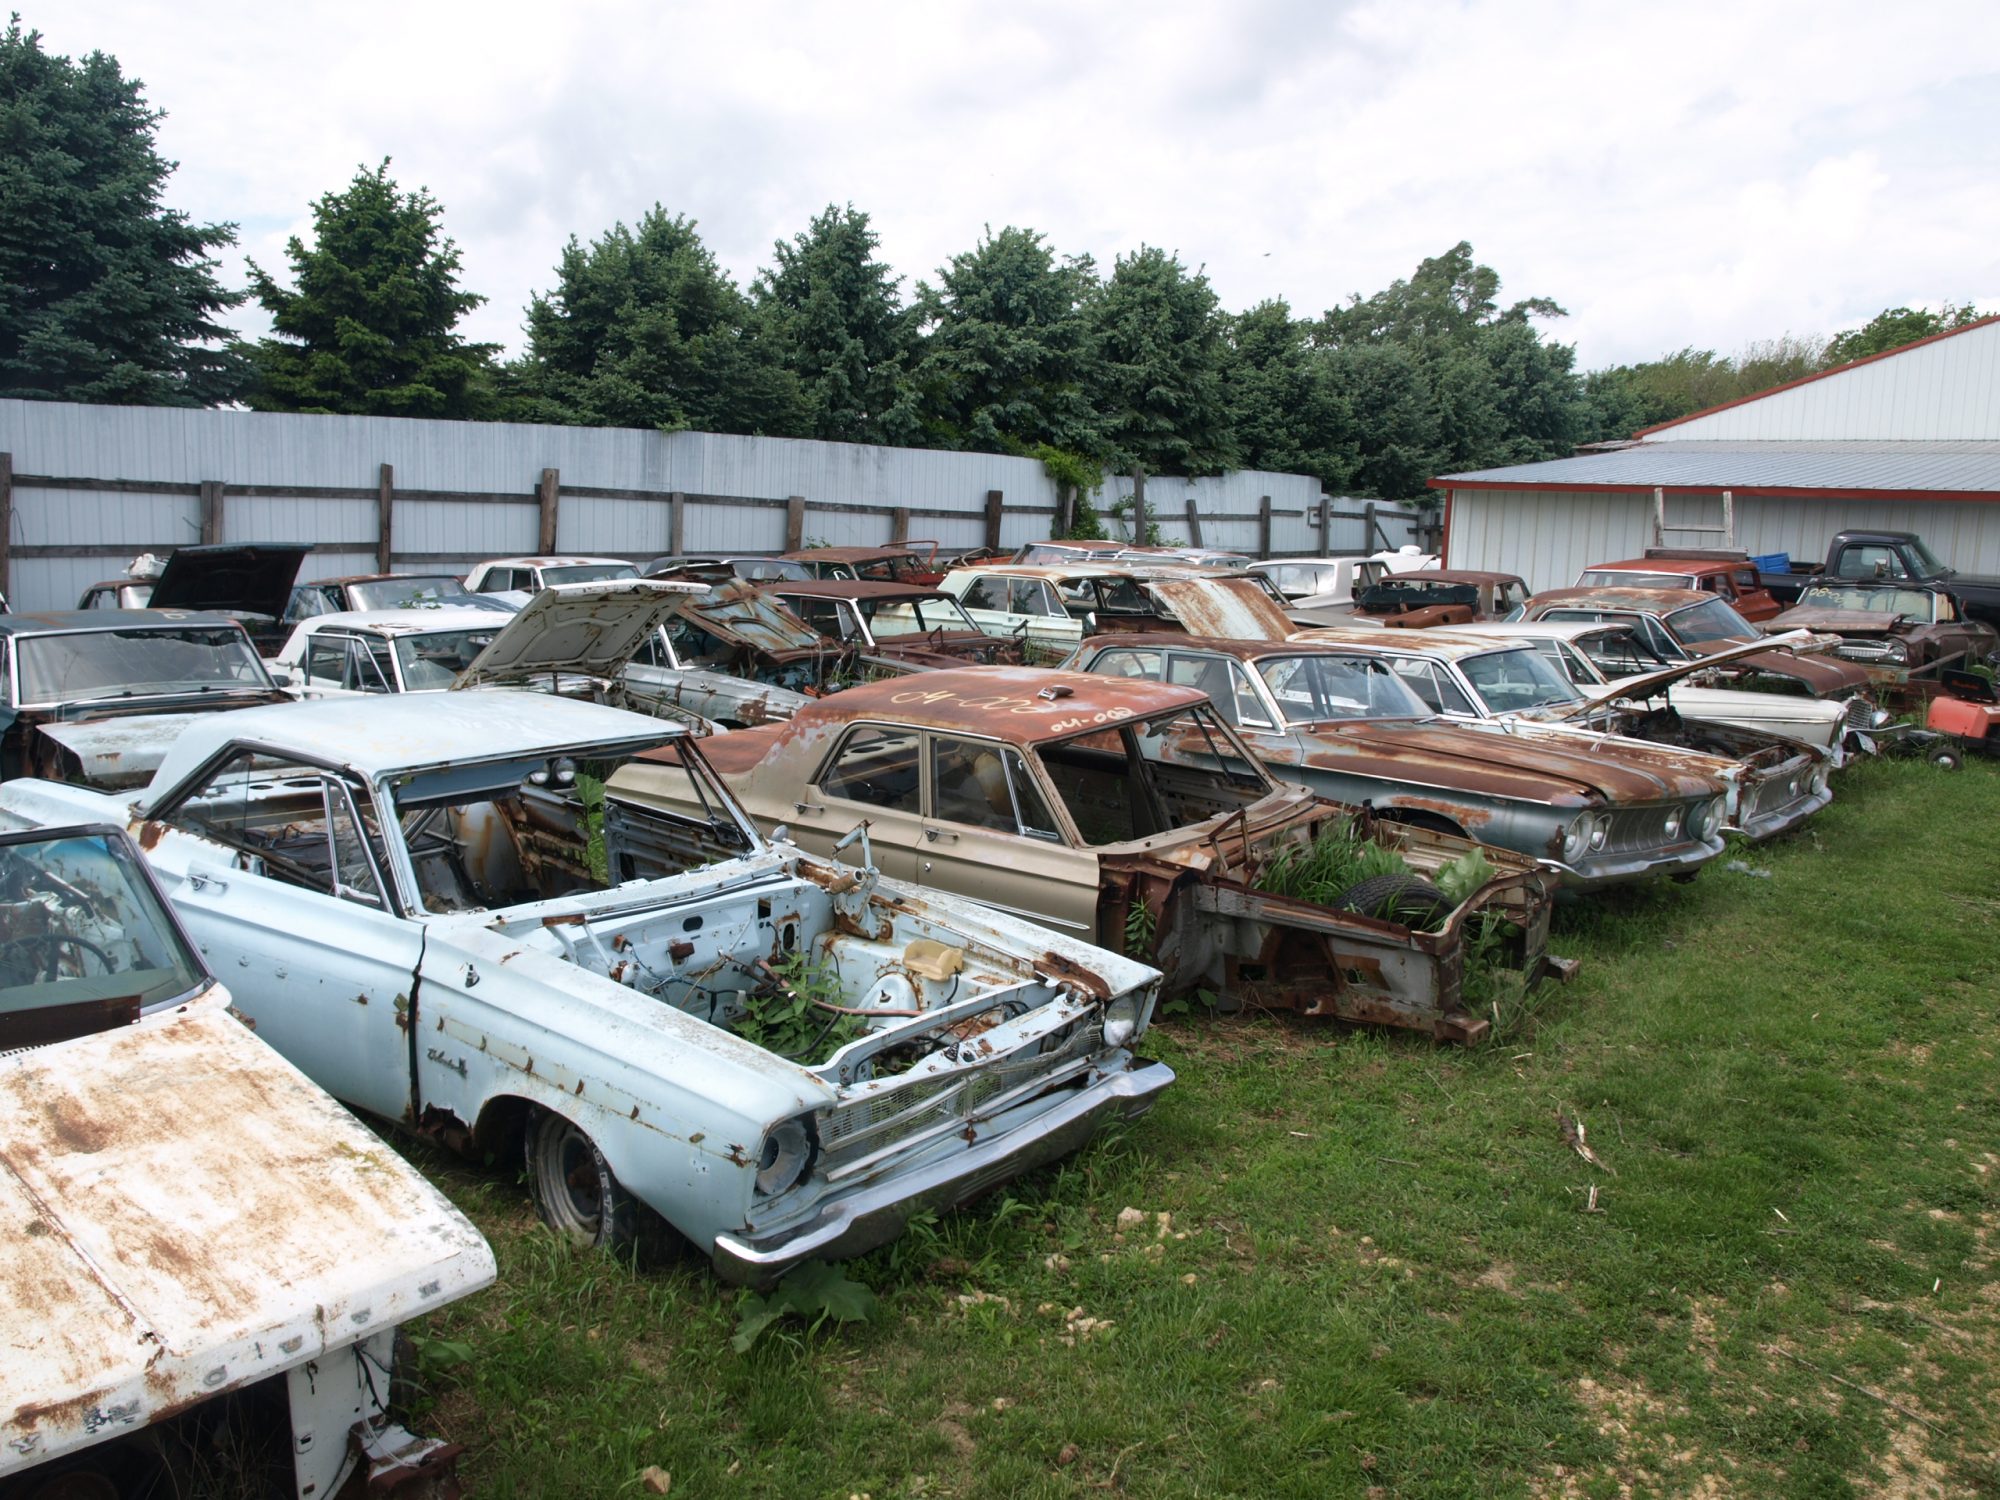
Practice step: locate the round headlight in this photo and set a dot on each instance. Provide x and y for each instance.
(1672, 827)
(1819, 780)
(1121, 1021)
(1600, 830)
(1576, 837)
(786, 1158)
(1697, 820)
(1879, 717)
(1897, 651)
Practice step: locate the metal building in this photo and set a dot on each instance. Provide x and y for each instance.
(1908, 440)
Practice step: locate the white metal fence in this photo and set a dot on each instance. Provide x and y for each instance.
(85, 488)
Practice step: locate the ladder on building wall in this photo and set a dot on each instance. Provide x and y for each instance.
(1726, 531)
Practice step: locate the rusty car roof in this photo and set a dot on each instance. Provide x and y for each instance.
(1025, 705)
(1647, 601)
(49, 621)
(862, 554)
(852, 588)
(1439, 641)
(1694, 567)
(1423, 576)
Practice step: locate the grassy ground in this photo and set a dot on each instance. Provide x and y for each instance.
(1368, 1266)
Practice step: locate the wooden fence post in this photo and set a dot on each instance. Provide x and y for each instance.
(1066, 495)
(211, 511)
(1264, 526)
(676, 523)
(1194, 522)
(994, 500)
(550, 496)
(1139, 512)
(385, 510)
(6, 520)
(1325, 525)
(795, 522)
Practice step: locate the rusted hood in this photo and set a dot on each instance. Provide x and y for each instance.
(186, 1214)
(1821, 674)
(1529, 769)
(118, 753)
(1838, 621)
(591, 629)
(1231, 609)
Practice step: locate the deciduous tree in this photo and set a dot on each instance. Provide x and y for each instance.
(1158, 354)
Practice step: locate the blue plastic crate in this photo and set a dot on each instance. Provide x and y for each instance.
(1772, 562)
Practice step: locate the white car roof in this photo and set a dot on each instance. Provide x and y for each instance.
(379, 733)
(555, 562)
(387, 622)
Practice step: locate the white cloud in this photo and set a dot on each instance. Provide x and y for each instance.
(1699, 174)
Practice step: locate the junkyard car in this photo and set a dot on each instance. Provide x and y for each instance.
(738, 629)
(1600, 655)
(419, 903)
(1687, 624)
(922, 626)
(97, 695)
(1906, 627)
(1015, 601)
(205, 1253)
(900, 562)
(1340, 721)
(1774, 784)
(750, 566)
(603, 641)
(248, 581)
(380, 591)
(1128, 814)
(1416, 599)
(530, 575)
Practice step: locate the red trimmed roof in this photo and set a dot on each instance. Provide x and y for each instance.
(1852, 364)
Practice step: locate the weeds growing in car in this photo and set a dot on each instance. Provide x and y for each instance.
(798, 1014)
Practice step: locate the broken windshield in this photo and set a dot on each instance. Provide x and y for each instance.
(90, 666)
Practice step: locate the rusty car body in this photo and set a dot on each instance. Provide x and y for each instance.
(202, 1244)
(420, 902)
(899, 562)
(738, 629)
(1338, 720)
(1417, 599)
(1687, 624)
(1051, 608)
(924, 627)
(1774, 783)
(1728, 574)
(1906, 627)
(97, 695)
(1124, 813)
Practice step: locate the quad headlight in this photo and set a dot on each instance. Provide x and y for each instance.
(1600, 831)
(1705, 817)
(786, 1157)
(1121, 1021)
(1576, 838)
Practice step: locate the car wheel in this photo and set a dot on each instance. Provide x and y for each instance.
(573, 1188)
(1397, 898)
(1947, 757)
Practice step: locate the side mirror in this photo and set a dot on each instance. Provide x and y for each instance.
(1882, 567)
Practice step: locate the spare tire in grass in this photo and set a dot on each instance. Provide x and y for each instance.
(1397, 898)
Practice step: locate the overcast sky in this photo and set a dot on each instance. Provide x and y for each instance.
(1673, 174)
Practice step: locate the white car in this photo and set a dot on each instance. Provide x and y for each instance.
(1321, 582)
(528, 576)
(200, 1240)
(423, 903)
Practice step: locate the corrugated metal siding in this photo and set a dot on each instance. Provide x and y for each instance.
(1946, 389)
(1548, 537)
(255, 448)
(1945, 466)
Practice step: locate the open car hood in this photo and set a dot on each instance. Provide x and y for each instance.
(1647, 684)
(1231, 609)
(591, 629)
(252, 578)
(1838, 621)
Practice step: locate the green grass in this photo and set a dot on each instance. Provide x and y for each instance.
(1389, 1283)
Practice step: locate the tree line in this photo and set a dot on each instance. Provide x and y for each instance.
(107, 295)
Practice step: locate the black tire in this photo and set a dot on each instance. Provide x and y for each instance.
(114, 1471)
(1397, 898)
(573, 1188)
(1947, 757)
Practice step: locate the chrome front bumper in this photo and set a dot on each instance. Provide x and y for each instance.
(1623, 869)
(875, 1214)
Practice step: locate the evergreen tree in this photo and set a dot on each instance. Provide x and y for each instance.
(643, 329)
(1005, 363)
(1157, 366)
(1287, 414)
(844, 333)
(105, 293)
(369, 329)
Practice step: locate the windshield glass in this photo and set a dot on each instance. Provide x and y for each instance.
(1615, 578)
(431, 661)
(893, 617)
(86, 666)
(1926, 559)
(587, 572)
(1710, 620)
(738, 612)
(415, 591)
(85, 941)
(1522, 678)
(1322, 687)
(1915, 603)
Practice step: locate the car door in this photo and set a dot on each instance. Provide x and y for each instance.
(990, 835)
(874, 775)
(296, 916)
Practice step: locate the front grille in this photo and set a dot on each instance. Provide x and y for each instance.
(879, 1120)
(1860, 712)
(1772, 796)
(1634, 828)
